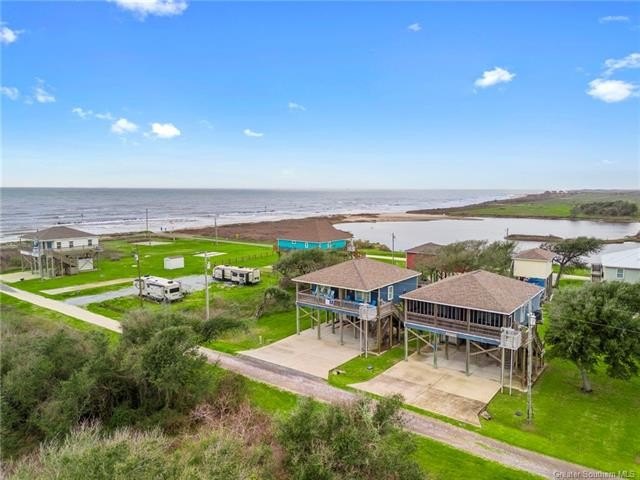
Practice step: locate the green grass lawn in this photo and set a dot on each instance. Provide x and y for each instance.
(582, 271)
(438, 460)
(361, 369)
(152, 261)
(11, 305)
(600, 430)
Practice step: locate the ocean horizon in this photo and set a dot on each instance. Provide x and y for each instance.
(115, 210)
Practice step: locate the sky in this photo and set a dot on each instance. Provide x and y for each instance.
(196, 94)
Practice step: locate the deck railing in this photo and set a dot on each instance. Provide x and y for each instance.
(454, 326)
(308, 298)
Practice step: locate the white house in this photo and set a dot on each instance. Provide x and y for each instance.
(534, 266)
(621, 266)
(59, 251)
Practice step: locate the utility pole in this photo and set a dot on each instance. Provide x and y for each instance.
(532, 323)
(137, 255)
(393, 248)
(215, 223)
(206, 285)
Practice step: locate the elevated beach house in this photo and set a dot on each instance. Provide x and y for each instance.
(361, 295)
(313, 233)
(484, 312)
(534, 266)
(59, 250)
(623, 266)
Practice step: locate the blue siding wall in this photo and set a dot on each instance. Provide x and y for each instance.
(284, 244)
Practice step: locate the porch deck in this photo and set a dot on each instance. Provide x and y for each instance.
(349, 307)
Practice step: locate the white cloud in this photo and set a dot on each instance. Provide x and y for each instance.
(82, 113)
(40, 93)
(163, 8)
(123, 126)
(250, 133)
(611, 91)
(493, 77)
(414, 27)
(11, 93)
(296, 106)
(103, 116)
(613, 18)
(7, 35)
(206, 124)
(164, 130)
(630, 61)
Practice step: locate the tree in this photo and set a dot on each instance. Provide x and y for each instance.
(472, 255)
(299, 262)
(597, 322)
(356, 441)
(273, 296)
(570, 251)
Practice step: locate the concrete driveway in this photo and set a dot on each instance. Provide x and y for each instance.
(307, 354)
(441, 390)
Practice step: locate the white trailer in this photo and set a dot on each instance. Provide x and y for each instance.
(243, 276)
(159, 289)
(239, 275)
(222, 272)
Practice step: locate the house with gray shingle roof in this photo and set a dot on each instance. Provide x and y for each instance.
(475, 309)
(361, 294)
(59, 250)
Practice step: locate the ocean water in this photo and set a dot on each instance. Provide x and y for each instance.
(124, 210)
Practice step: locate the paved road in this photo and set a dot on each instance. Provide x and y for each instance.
(302, 384)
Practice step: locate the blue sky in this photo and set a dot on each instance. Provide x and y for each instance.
(165, 93)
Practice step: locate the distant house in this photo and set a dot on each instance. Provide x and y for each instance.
(621, 266)
(58, 251)
(313, 233)
(535, 266)
(422, 255)
(360, 293)
(475, 308)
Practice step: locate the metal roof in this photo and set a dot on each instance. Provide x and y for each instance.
(624, 259)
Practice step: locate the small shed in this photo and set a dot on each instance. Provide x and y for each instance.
(422, 255)
(534, 266)
(173, 263)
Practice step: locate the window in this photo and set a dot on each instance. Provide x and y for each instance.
(70, 243)
(58, 244)
(362, 297)
(390, 293)
(620, 273)
(90, 242)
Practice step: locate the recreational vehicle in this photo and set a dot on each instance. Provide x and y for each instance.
(242, 275)
(239, 275)
(159, 289)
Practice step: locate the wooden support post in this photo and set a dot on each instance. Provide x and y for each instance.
(406, 343)
(466, 362)
(341, 329)
(318, 320)
(297, 319)
(502, 370)
(435, 350)
(446, 347)
(366, 338)
(333, 323)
